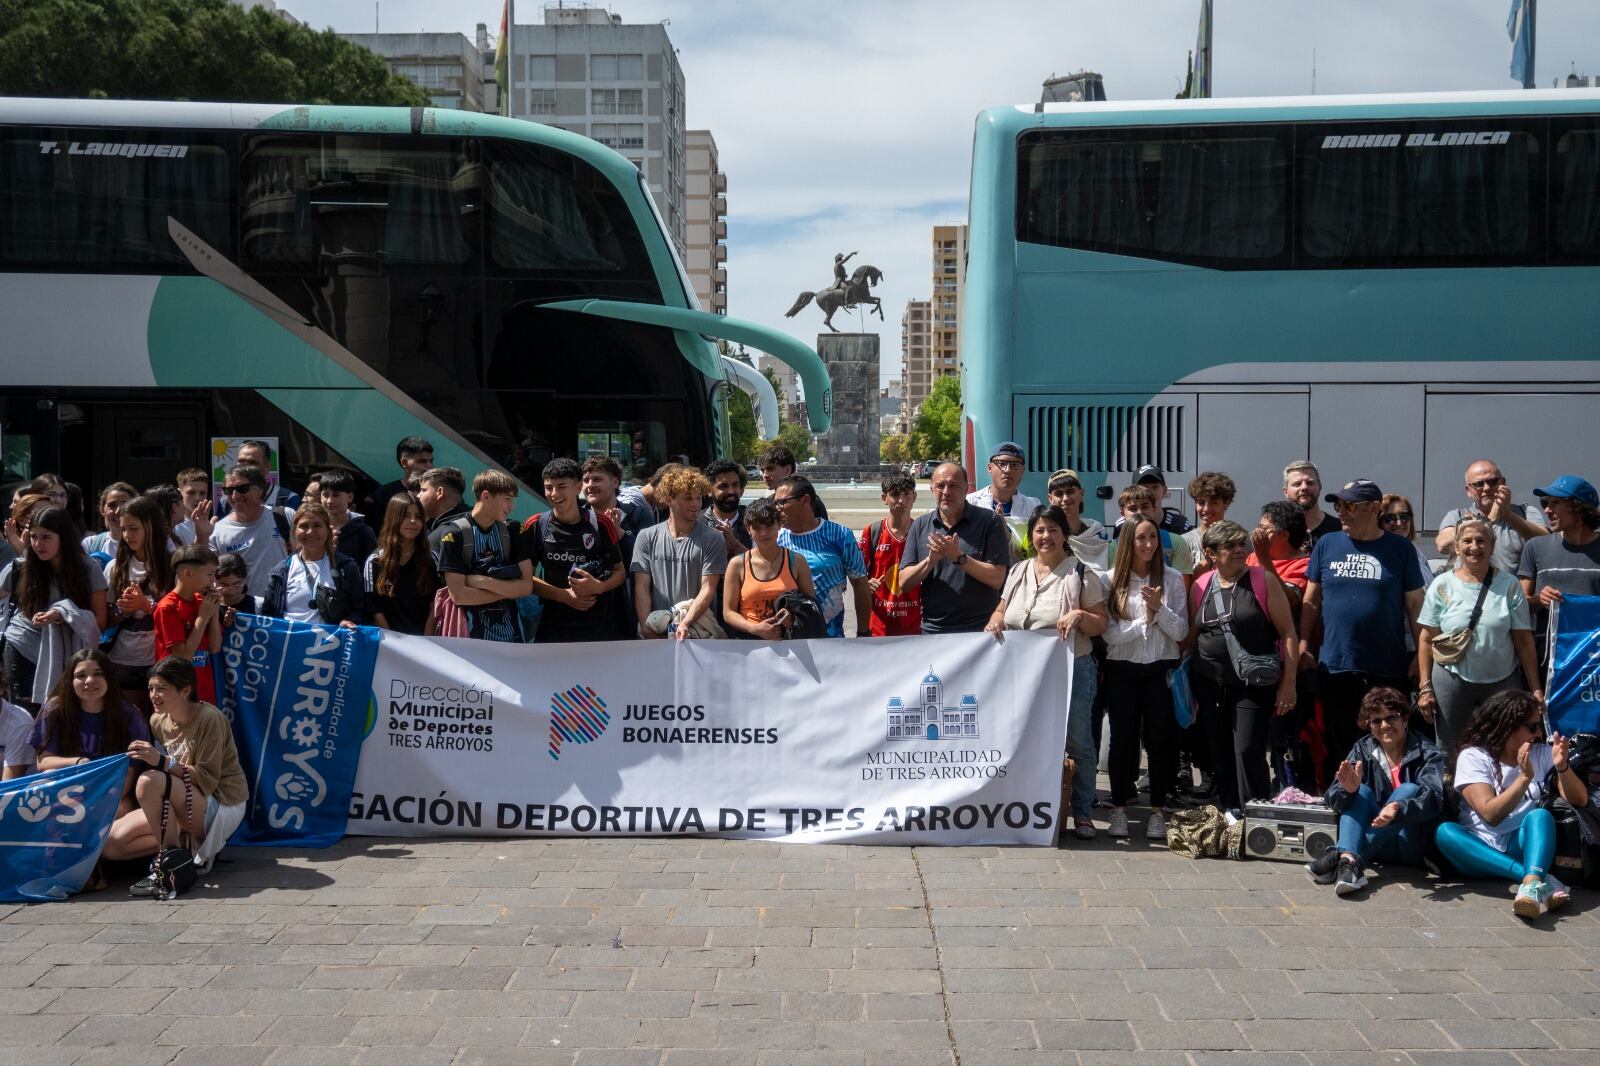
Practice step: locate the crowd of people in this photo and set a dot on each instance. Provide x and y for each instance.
(1308, 635)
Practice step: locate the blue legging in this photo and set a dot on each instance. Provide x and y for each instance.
(1530, 852)
(1406, 843)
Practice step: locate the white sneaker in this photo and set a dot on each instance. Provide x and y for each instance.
(1156, 827)
(1117, 824)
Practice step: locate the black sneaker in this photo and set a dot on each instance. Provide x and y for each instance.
(1350, 878)
(1325, 869)
(146, 887)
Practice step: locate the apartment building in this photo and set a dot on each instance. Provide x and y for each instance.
(706, 209)
(916, 360)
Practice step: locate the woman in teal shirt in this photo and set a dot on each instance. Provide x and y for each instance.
(1502, 639)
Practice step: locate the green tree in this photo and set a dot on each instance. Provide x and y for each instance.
(744, 440)
(185, 50)
(937, 433)
(892, 449)
(796, 438)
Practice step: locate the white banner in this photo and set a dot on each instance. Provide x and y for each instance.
(905, 740)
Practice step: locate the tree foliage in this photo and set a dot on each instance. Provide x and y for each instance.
(796, 438)
(937, 433)
(892, 449)
(185, 50)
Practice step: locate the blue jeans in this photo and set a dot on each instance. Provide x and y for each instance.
(1080, 733)
(1394, 842)
(1532, 852)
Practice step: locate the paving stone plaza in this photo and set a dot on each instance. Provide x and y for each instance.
(708, 952)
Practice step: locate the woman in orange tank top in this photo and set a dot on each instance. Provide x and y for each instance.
(757, 578)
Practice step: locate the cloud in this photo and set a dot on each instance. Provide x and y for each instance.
(849, 126)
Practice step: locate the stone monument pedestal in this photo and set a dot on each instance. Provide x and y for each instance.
(850, 447)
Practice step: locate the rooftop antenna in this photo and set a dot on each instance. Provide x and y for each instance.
(377, 11)
(1313, 72)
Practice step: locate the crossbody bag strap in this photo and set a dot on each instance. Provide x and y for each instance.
(1235, 650)
(1483, 593)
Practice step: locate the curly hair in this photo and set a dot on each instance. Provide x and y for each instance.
(1379, 699)
(1496, 719)
(1212, 485)
(684, 481)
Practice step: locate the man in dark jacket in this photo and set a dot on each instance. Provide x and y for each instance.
(1388, 793)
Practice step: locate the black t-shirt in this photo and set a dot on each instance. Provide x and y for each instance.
(495, 552)
(407, 610)
(1251, 627)
(1329, 524)
(357, 540)
(556, 548)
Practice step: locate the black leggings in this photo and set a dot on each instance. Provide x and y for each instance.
(20, 672)
(1237, 720)
(1141, 714)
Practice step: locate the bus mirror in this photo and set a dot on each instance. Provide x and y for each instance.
(1104, 492)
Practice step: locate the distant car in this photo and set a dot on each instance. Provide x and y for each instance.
(752, 472)
(810, 462)
(927, 467)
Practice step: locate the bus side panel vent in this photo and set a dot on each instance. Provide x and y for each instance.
(1106, 438)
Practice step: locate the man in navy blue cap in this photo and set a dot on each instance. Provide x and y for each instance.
(1364, 588)
(1568, 562)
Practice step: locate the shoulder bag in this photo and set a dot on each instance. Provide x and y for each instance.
(1257, 671)
(1451, 648)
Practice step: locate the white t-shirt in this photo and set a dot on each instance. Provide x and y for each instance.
(300, 601)
(260, 543)
(1476, 766)
(15, 725)
(133, 647)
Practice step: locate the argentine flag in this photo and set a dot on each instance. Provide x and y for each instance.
(1519, 27)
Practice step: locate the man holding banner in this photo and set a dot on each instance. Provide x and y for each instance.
(1568, 562)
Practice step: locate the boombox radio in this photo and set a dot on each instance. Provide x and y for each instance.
(1288, 832)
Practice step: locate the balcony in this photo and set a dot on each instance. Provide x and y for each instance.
(719, 229)
(719, 276)
(721, 184)
(719, 206)
(720, 253)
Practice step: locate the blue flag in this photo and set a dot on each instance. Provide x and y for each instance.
(1573, 695)
(1519, 27)
(52, 826)
(298, 696)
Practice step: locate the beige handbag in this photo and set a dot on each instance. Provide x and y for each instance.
(1449, 648)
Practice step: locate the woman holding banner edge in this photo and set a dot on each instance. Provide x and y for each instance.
(1053, 590)
(190, 763)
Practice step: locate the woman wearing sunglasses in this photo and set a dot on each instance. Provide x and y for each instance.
(1397, 516)
(1503, 830)
(1487, 604)
(1388, 793)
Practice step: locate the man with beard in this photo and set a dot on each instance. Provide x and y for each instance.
(1302, 486)
(725, 514)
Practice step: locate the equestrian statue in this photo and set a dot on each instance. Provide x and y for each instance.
(844, 292)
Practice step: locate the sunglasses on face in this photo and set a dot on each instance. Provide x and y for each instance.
(236, 490)
(1386, 720)
(1395, 519)
(1486, 483)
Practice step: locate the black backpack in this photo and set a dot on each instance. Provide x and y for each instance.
(805, 617)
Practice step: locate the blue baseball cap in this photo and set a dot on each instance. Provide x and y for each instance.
(1358, 491)
(1571, 487)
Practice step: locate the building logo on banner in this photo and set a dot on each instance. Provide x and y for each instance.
(577, 715)
(929, 719)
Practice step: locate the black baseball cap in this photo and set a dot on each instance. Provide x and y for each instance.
(1149, 473)
(1358, 491)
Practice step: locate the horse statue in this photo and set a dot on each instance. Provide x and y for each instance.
(845, 293)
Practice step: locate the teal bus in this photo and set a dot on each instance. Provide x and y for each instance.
(339, 278)
(1390, 286)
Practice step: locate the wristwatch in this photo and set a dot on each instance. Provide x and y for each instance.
(961, 559)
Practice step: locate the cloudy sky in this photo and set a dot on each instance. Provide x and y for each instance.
(853, 129)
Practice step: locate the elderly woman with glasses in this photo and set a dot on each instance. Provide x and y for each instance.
(1388, 793)
(1486, 602)
(1504, 830)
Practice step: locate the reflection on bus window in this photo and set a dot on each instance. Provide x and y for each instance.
(61, 206)
(1575, 190)
(359, 205)
(548, 214)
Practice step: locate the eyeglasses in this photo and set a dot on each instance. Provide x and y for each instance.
(1386, 720)
(236, 490)
(1395, 519)
(1486, 483)
(1006, 464)
(786, 501)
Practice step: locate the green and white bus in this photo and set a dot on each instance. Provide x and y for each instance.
(1392, 286)
(339, 278)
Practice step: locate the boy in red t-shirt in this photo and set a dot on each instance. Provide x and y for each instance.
(188, 619)
(895, 612)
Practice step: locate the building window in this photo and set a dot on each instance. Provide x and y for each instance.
(630, 101)
(605, 133)
(630, 68)
(630, 135)
(542, 101)
(542, 68)
(602, 101)
(602, 68)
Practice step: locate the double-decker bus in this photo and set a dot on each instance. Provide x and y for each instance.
(1391, 286)
(339, 278)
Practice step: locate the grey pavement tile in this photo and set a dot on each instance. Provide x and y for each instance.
(1213, 1035)
(222, 1055)
(1080, 1036)
(107, 1030)
(480, 1032)
(1575, 1034)
(308, 1031)
(189, 1030)
(1276, 1034)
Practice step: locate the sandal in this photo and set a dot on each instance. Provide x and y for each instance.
(97, 880)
